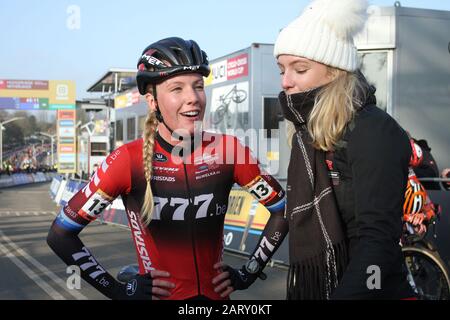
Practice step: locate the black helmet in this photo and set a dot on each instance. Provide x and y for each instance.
(168, 57)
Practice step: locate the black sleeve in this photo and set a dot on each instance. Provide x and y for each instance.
(274, 232)
(379, 153)
(68, 246)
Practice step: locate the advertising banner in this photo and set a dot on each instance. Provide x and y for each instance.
(37, 94)
(229, 69)
(66, 141)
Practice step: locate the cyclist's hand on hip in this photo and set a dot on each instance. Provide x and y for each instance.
(145, 287)
(231, 279)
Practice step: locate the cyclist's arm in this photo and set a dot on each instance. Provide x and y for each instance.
(269, 193)
(109, 181)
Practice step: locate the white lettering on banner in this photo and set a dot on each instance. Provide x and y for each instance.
(237, 63)
(140, 243)
(237, 67)
(236, 71)
(228, 238)
(219, 72)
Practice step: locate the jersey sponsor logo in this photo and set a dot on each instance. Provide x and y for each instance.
(206, 158)
(168, 169)
(261, 190)
(202, 168)
(206, 175)
(131, 287)
(264, 244)
(139, 241)
(95, 205)
(113, 156)
(180, 205)
(159, 157)
(163, 178)
(90, 264)
(70, 212)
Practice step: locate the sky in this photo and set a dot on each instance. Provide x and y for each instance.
(81, 39)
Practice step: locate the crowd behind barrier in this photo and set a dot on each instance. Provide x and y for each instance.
(26, 177)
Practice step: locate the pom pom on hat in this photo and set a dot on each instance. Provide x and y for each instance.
(345, 17)
(324, 33)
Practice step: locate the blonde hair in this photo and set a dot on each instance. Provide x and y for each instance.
(147, 154)
(334, 108)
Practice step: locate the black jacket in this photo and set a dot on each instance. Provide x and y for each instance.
(373, 167)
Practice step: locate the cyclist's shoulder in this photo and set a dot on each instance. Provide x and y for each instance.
(125, 153)
(132, 148)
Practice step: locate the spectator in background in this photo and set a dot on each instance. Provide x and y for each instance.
(446, 174)
(94, 169)
(428, 167)
(339, 227)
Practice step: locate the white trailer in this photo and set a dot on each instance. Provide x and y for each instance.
(406, 53)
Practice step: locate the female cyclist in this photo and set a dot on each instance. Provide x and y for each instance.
(174, 182)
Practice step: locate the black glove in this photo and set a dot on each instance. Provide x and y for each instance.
(243, 278)
(138, 288)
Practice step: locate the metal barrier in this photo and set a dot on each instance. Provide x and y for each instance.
(17, 179)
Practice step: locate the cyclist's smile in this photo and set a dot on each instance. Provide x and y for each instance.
(194, 115)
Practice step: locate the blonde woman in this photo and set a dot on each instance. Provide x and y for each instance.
(349, 163)
(174, 183)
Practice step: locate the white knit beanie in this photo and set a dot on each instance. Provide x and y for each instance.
(324, 33)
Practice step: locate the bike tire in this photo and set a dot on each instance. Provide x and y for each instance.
(425, 263)
(218, 115)
(239, 96)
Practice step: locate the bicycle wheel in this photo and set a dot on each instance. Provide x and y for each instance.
(239, 96)
(219, 114)
(429, 274)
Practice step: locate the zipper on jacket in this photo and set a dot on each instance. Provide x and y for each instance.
(192, 230)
